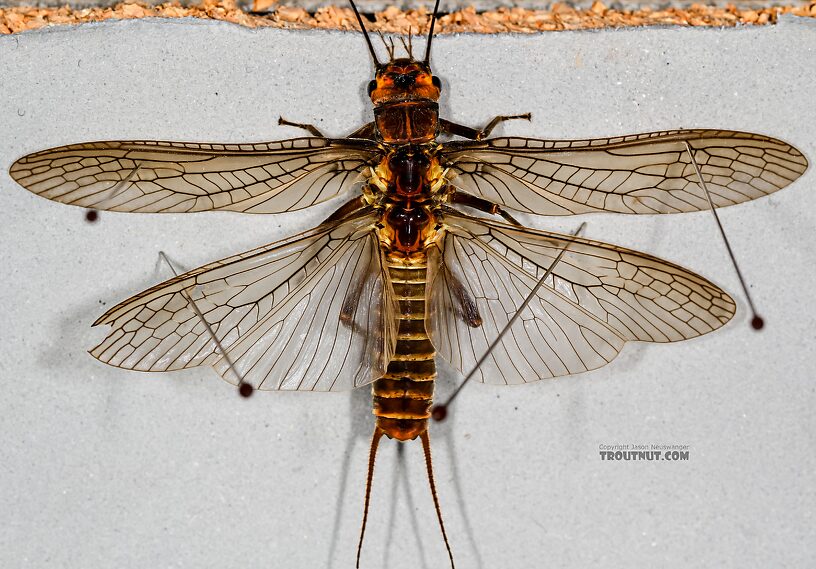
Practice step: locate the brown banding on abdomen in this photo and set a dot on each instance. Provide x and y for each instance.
(403, 396)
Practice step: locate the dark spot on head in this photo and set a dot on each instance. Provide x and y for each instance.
(436, 82)
(371, 86)
(404, 80)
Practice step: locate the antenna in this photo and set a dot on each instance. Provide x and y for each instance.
(439, 412)
(377, 63)
(407, 45)
(430, 33)
(388, 49)
(757, 322)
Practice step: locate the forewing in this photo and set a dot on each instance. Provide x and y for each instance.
(598, 297)
(285, 314)
(642, 173)
(174, 177)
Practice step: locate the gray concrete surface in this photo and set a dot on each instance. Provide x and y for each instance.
(103, 468)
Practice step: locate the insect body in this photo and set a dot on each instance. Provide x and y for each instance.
(400, 273)
(403, 396)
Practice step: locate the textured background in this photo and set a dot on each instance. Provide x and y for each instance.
(445, 5)
(101, 467)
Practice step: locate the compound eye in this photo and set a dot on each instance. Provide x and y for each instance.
(371, 86)
(436, 82)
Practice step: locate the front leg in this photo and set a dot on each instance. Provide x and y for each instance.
(368, 131)
(307, 127)
(455, 129)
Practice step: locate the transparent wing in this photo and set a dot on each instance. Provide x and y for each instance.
(313, 312)
(174, 177)
(597, 298)
(641, 173)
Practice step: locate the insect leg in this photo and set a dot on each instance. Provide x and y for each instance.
(347, 209)
(500, 119)
(470, 312)
(367, 131)
(453, 128)
(481, 204)
(310, 128)
(353, 295)
(350, 303)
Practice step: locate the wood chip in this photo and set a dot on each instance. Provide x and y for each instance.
(394, 20)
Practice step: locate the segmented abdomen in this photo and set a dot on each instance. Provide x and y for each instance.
(403, 396)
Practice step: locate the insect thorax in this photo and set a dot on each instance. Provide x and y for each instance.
(406, 122)
(408, 185)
